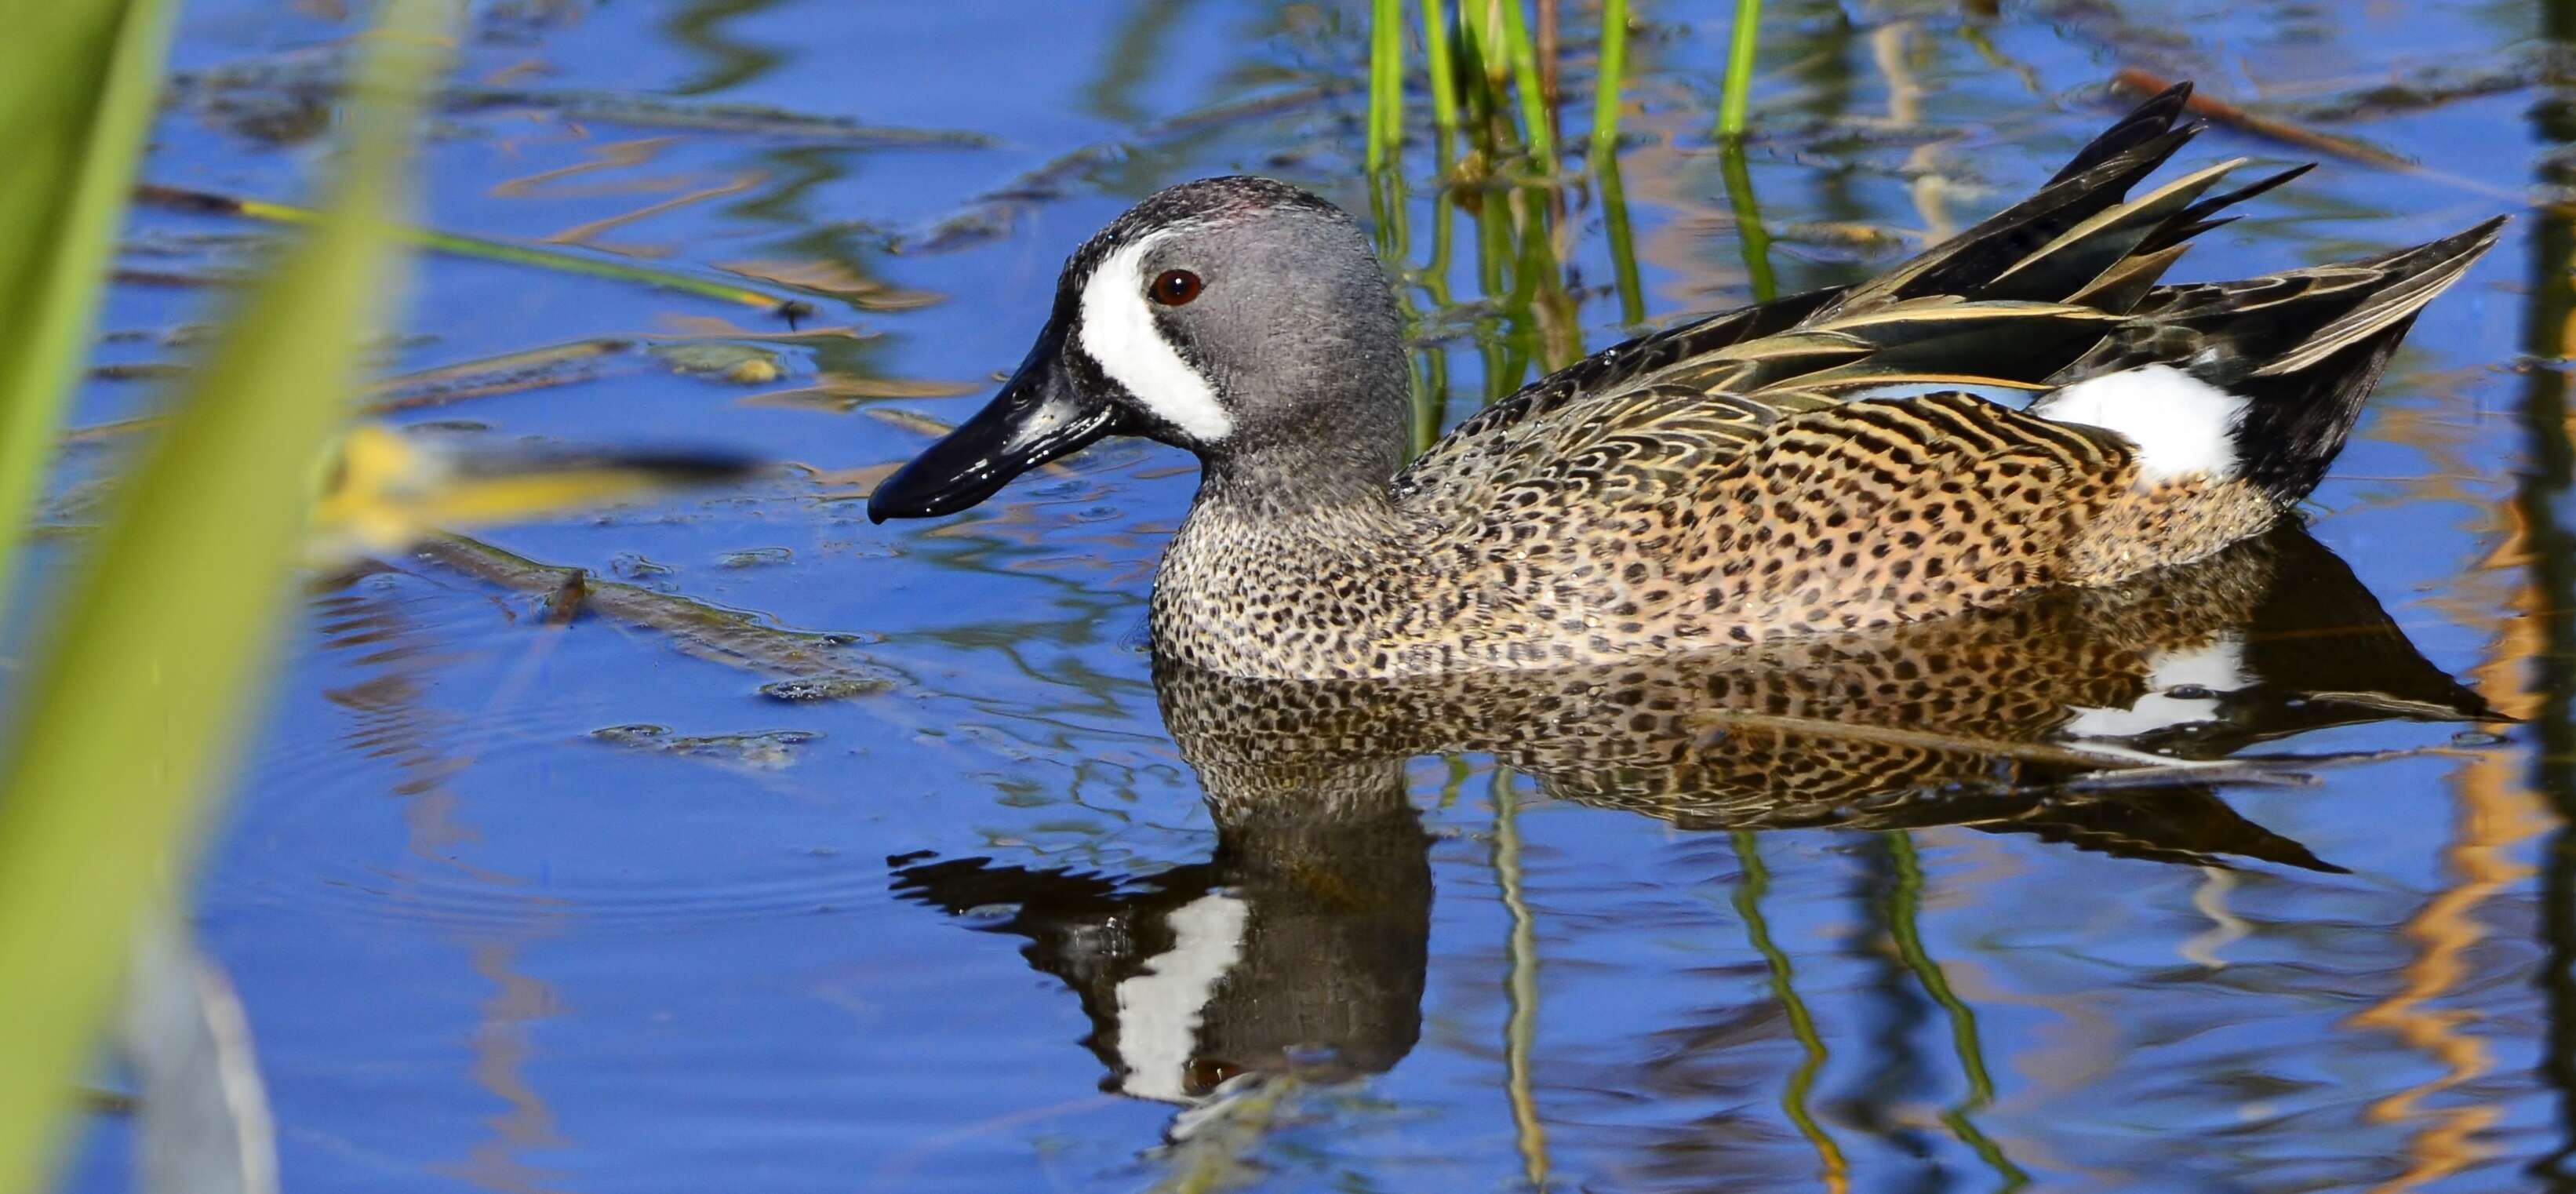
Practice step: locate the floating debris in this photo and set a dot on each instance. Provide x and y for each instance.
(508, 373)
(514, 252)
(741, 364)
(769, 750)
(824, 688)
(136, 371)
(823, 663)
(2206, 105)
(643, 111)
(837, 280)
(756, 557)
(842, 393)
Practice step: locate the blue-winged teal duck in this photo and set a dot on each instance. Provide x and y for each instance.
(1769, 472)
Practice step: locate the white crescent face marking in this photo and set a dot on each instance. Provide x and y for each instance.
(1119, 332)
(1159, 1011)
(2181, 424)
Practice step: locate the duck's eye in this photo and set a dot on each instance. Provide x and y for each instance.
(1175, 287)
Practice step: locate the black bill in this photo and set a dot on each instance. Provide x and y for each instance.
(1042, 413)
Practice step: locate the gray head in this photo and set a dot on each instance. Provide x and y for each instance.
(1240, 318)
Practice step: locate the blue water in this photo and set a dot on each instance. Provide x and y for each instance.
(483, 949)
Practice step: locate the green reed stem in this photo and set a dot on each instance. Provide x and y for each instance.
(1516, 37)
(1623, 239)
(1386, 80)
(1735, 102)
(1749, 230)
(1802, 1024)
(1488, 77)
(1520, 991)
(1490, 44)
(1904, 921)
(1614, 70)
(1444, 84)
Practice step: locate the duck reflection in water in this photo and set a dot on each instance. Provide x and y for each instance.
(2075, 715)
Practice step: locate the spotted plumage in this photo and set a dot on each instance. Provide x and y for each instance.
(1765, 474)
(1942, 721)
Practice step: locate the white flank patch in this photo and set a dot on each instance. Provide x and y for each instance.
(2181, 424)
(1119, 332)
(2216, 668)
(1159, 1011)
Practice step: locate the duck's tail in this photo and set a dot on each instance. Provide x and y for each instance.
(2276, 367)
(2081, 239)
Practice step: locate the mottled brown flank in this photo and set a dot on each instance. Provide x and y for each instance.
(1640, 537)
(1651, 736)
(1640, 735)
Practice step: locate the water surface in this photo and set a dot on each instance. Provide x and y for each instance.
(517, 906)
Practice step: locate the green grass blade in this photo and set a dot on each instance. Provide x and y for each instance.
(1480, 28)
(1444, 85)
(1386, 80)
(125, 730)
(1735, 102)
(1614, 70)
(1516, 38)
(1490, 45)
(73, 131)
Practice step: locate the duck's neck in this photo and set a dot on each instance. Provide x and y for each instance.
(1347, 477)
(1286, 567)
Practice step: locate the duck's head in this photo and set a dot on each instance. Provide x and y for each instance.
(1240, 318)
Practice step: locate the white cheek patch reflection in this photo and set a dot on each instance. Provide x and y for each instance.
(2202, 672)
(1159, 1011)
(1118, 332)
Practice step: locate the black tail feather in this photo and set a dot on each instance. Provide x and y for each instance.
(2196, 219)
(2295, 426)
(2144, 123)
(2096, 179)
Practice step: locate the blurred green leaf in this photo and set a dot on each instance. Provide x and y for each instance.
(74, 106)
(127, 725)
